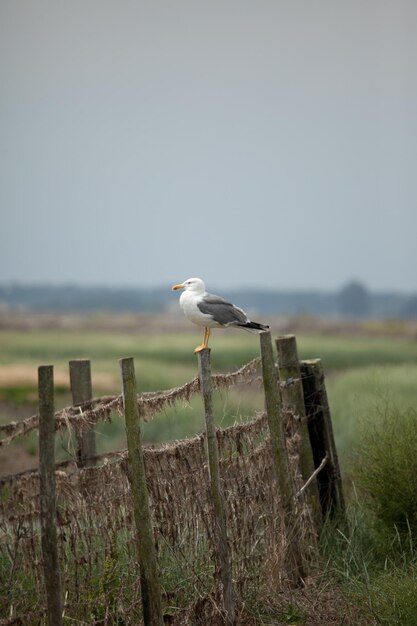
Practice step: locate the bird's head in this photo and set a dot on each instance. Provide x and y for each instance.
(191, 284)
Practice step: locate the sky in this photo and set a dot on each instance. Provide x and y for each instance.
(266, 144)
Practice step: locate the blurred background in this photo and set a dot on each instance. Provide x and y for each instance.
(268, 148)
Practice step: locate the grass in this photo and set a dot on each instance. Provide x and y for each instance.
(100, 575)
(377, 572)
(229, 349)
(363, 394)
(374, 559)
(384, 469)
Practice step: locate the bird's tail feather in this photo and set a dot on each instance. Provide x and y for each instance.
(254, 326)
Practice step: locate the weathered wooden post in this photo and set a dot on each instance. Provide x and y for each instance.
(274, 415)
(51, 569)
(322, 439)
(217, 495)
(280, 454)
(81, 390)
(149, 580)
(293, 399)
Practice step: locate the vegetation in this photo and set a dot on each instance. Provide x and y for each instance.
(353, 299)
(375, 559)
(385, 471)
(371, 383)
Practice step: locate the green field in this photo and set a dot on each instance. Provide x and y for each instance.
(363, 373)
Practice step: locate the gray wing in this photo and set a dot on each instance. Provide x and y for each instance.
(222, 312)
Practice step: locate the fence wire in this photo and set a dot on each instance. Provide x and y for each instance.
(89, 413)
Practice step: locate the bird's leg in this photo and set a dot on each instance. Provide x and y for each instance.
(206, 337)
(205, 340)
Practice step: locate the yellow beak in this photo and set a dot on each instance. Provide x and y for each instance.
(175, 287)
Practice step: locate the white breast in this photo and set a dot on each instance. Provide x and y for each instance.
(188, 303)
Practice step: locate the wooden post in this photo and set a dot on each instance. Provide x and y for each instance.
(293, 398)
(280, 455)
(217, 495)
(274, 415)
(149, 580)
(322, 439)
(81, 390)
(51, 570)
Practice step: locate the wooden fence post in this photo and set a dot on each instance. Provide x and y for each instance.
(322, 439)
(217, 495)
(81, 390)
(149, 579)
(280, 454)
(51, 570)
(293, 398)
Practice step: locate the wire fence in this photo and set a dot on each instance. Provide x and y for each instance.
(88, 413)
(97, 536)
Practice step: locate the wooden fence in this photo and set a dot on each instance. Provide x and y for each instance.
(296, 409)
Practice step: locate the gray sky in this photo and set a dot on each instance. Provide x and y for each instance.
(269, 143)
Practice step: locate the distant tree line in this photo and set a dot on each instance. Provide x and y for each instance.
(353, 300)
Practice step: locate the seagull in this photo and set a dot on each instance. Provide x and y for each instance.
(205, 309)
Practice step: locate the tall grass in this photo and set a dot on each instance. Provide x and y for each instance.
(359, 397)
(376, 571)
(374, 559)
(385, 470)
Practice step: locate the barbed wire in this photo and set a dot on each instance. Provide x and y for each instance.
(88, 413)
(235, 431)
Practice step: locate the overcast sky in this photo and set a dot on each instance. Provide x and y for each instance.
(251, 143)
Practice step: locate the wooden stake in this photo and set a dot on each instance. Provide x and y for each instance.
(274, 414)
(322, 439)
(280, 457)
(293, 398)
(49, 541)
(222, 548)
(81, 390)
(150, 586)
